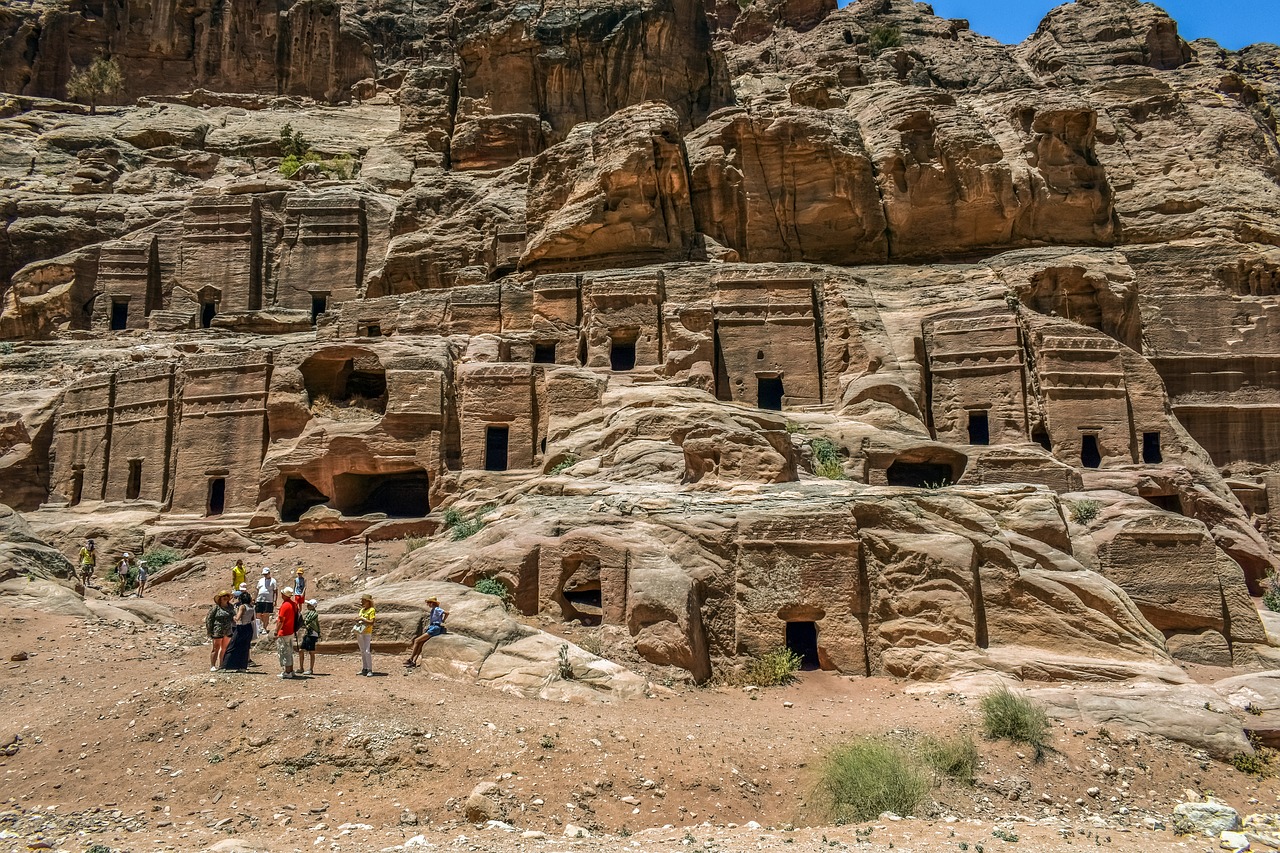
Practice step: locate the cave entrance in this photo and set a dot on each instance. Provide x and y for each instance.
(208, 310)
(217, 496)
(119, 314)
(1041, 437)
(622, 349)
(802, 638)
(399, 495)
(769, 392)
(346, 382)
(979, 428)
(77, 486)
(319, 304)
(134, 487)
(1151, 454)
(1090, 455)
(1168, 503)
(919, 475)
(496, 440)
(299, 496)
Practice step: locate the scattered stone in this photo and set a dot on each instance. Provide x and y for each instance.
(1209, 818)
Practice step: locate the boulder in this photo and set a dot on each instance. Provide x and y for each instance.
(1209, 818)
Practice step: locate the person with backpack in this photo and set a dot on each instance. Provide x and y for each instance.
(286, 629)
(218, 623)
(310, 636)
(265, 602)
(435, 627)
(88, 561)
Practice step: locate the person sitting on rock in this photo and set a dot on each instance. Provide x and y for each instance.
(435, 627)
(88, 561)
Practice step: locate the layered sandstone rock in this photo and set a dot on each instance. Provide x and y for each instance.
(784, 324)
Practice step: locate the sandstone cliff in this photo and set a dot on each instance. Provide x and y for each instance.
(954, 353)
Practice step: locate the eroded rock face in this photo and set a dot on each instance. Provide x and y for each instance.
(705, 310)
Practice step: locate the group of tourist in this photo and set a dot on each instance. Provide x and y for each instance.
(129, 572)
(237, 618)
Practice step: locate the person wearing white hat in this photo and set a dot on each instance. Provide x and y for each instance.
(265, 602)
(309, 634)
(124, 569)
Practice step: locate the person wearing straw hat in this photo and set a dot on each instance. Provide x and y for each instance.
(364, 633)
(218, 625)
(435, 627)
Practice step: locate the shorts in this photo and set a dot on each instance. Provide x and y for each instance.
(309, 643)
(435, 630)
(263, 607)
(284, 650)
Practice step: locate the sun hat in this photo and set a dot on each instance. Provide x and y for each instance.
(223, 594)
(244, 587)
(266, 571)
(287, 592)
(299, 570)
(366, 597)
(311, 602)
(433, 600)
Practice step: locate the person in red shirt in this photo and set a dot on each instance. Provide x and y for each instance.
(286, 624)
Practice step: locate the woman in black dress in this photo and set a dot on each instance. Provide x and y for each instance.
(237, 656)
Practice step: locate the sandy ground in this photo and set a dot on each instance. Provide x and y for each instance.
(128, 741)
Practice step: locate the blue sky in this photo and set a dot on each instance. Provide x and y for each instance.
(1232, 23)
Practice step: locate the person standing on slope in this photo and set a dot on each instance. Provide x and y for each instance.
(286, 624)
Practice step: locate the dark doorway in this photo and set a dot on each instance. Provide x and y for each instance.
(1041, 437)
(77, 486)
(1151, 448)
(119, 314)
(587, 603)
(319, 304)
(374, 331)
(217, 496)
(1090, 456)
(622, 351)
(299, 496)
(979, 428)
(134, 487)
(495, 447)
(769, 392)
(802, 638)
(399, 495)
(919, 475)
(208, 311)
(1168, 503)
(544, 353)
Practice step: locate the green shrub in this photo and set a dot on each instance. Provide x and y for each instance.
(773, 668)
(564, 464)
(826, 459)
(564, 666)
(493, 586)
(1083, 512)
(1271, 595)
(871, 776)
(161, 556)
(461, 526)
(884, 37)
(954, 757)
(1008, 716)
(6, 348)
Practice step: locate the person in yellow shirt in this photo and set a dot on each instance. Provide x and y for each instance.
(237, 574)
(364, 633)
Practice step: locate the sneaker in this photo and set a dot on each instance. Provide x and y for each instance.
(213, 669)
(308, 672)
(368, 672)
(280, 675)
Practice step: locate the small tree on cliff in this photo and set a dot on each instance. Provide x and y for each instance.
(102, 78)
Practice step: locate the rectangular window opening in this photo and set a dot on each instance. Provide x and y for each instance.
(1090, 455)
(622, 351)
(119, 314)
(979, 428)
(374, 331)
(134, 488)
(769, 392)
(319, 304)
(544, 353)
(1151, 454)
(217, 495)
(495, 447)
